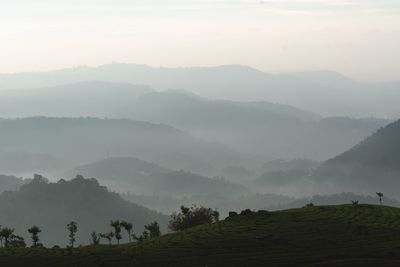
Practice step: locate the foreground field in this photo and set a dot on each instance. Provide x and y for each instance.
(346, 235)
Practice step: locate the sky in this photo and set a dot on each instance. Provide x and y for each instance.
(358, 38)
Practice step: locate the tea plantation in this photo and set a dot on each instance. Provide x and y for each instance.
(345, 235)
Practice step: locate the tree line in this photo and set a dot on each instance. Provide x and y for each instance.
(187, 217)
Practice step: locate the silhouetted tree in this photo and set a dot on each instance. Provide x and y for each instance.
(109, 236)
(6, 234)
(380, 195)
(354, 202)
(1, 238)
(72, 229)
(145, 235)
(95, 238)
(34, 231)
(117, 230)
(193, 216)
(128, 228)
(17, 241)
(153, 229)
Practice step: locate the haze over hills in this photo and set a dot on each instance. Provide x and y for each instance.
(269, 130)
(259, 130)
(255, 133)
(380, 150)
(137, 176)
(82, 99)
(52, 206)
(76, 141)
(164, 189)
(372, 165)
(325, 93)
(10, 183)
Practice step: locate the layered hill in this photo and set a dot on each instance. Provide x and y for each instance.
(165, 189)
(371, 165)
(260, 130)
(51, 206)
(347, 235)
(69, 142)
(130, 174)
(268, 130)
(380, 150)
(82, 99)
(326, 93)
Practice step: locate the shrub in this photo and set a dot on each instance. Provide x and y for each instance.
(193, 216)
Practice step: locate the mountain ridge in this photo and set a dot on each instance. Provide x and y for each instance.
(232, 82)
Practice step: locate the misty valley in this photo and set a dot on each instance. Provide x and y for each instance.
(199, 133)
(129, 165)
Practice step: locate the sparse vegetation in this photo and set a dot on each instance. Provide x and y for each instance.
(309, 205)
(193, 216)
(285, 238)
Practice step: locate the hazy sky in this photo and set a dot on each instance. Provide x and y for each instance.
(360, 38)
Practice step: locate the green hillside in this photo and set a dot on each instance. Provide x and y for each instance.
(345, 235)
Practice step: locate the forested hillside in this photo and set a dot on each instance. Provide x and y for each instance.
(51, 206)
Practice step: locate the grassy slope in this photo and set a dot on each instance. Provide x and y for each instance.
(343, 235)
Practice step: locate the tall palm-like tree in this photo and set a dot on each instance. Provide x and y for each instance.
(72, 229)
(95, 238)
(128, 228)
(34, 231)
(117, 230)
(109, 236)
(380, 195)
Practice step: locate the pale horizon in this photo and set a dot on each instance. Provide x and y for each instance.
(287, 72)
(359, 39)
